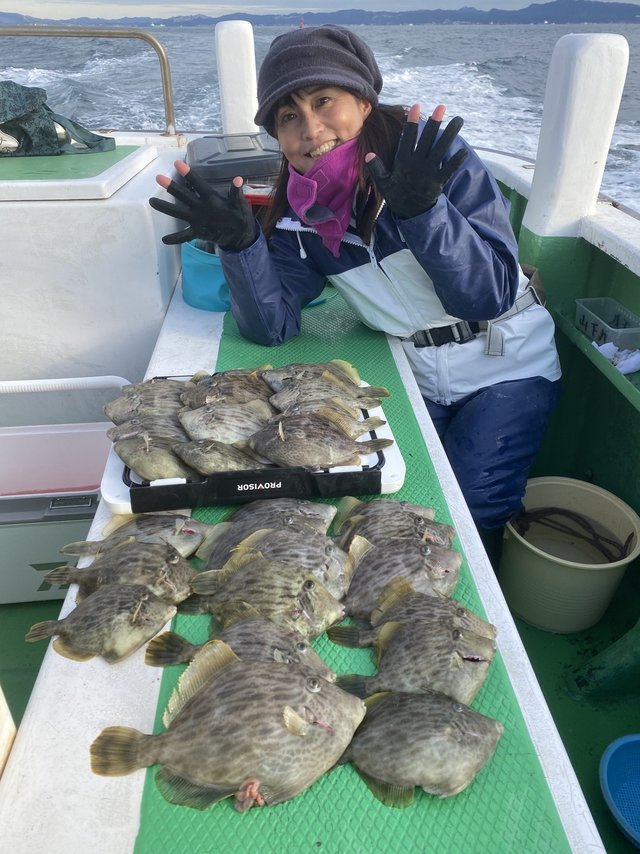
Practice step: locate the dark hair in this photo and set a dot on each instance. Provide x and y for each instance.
(380, 133)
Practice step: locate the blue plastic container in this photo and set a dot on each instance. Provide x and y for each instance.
(203, 282)
(620, 784)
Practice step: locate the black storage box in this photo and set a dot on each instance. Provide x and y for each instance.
(220, 157)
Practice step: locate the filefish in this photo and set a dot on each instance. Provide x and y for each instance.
(409, 610)
(252, 638)
(225, 422)
(277, 378)
(377, 529)
(327, 385)
(350, 426)
(427, 740)
(209, 456)
(400, 602)
(427, 567)
(113, 622)
(152, 459)
(228, 387)
(289, 595)
(312, 442)
(434, 654)
(305, 548)
(259, 732)
(349, 507)
(180, 530)
(165, 427)
(157, 566)
(156, 397)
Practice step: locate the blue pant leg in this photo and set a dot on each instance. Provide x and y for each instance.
(491, 439)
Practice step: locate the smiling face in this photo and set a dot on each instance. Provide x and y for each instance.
(313, 121)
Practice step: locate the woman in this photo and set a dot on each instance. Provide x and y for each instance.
(417, 239)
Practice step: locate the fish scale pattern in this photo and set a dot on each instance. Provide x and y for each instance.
(507, 807)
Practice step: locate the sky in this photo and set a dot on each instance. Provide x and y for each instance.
(60, 10)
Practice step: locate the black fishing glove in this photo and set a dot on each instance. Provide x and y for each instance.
(418, 174)
(227, 220)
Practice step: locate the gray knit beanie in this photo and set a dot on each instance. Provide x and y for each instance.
(316, 56)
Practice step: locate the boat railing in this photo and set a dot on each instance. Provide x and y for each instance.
(110, 33)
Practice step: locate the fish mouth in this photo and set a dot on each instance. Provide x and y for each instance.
(475, 659)
(310, 717)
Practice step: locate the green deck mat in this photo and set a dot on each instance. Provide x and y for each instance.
(508, 807)
(62, 167)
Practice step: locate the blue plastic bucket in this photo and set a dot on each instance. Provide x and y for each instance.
(203, 282)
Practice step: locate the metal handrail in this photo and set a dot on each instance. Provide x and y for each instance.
(111, 33)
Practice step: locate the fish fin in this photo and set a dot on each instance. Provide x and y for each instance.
(350, 636)
(375, 391)
(386, 632)
(208, 662)
(169, 648)
(114, 752)
(344, 423)
(118, 521)
(235, 610)
(346, 368)
(358, 548)
(179, 791)
(295, 723)
(206, 583)
(82, 548)
(60, 575)
(370, 424)
(211, 537)
(345, 508)
(40, 631)
(194, 604)
(373, 699)
(372, 446)
(66, 649)
(353, 683)
(399, 797)
(395, 591)
(253, 538)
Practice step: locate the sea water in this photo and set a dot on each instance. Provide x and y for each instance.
(494, 76)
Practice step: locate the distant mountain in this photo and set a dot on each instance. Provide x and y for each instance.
(556, 12)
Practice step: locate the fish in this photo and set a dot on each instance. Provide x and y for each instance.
(327, 385)
(427, 567)
(311, 442)
(305, 548)
(332, 403)
(252, 638)
(155, 398)
(262, 513)
(157, 566)
(431, 654)
(277, 378)
(229, 387)
(166, 427)
(180, 530)
(378, 528)
(112, 623)
(210, 456)
(260, 732)
(349, 507)
(152, 459)
(428, 741)
(399, 601)
(289, 595)
(341, 417)
(227, 422)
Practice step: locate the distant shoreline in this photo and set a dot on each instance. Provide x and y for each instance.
(555, 12)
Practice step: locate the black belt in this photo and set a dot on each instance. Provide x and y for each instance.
(458, 333)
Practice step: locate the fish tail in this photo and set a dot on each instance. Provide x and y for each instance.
(83, 548)
(60, 575)
(375, 391)
(115, 752)
(374, 445)
(40, 631)
(373, 423)
(349, 636)
(353, 683)
(169, 648)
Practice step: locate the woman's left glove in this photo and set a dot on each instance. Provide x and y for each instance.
(227, 220)
(418, 174)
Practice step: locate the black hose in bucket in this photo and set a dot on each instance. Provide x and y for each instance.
(613, 550)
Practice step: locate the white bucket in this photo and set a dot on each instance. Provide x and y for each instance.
(556, 581)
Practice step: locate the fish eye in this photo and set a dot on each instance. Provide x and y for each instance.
(460, 612)
(425, 551)
(301, 647)
(313, 685)
(329, 550)
(309, 585)
(457, 707)
(457, 634)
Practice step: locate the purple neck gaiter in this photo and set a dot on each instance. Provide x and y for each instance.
(323, 197)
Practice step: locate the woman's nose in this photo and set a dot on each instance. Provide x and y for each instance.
(310, 124)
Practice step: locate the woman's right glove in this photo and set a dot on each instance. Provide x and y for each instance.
(418, 173)
(227, 221)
